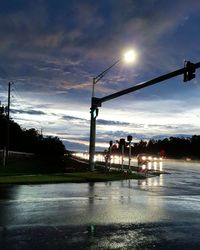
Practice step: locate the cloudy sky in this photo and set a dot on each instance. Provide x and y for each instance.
(51, 50)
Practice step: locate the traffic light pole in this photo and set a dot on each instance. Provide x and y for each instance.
(92, 136)
(94, 114)
(96, 102)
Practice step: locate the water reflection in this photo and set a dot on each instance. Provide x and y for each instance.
(152, 182)
(91, 193)
(8, 192)
(91, 230)
(154, 165)
(172, 197)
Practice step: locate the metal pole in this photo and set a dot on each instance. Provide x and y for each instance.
(110, 152)
(92, 136)
(122, 157)
(93, 83)
(93, 117)
(129, 139)
(129, 161)
(92, 131)
(7, 127)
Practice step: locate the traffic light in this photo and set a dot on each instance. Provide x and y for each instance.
(189, 74)
(122, 141)
(94, 112)
(129, 138)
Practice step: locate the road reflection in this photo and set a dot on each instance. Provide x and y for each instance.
(151, 165)
(156, 199)
(152, 182)
(8, 192)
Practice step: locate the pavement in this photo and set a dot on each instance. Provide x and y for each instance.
(142, 236)
(155, 213)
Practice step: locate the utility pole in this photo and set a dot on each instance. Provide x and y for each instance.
(7, 129)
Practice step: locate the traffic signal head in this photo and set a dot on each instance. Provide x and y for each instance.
(129, 138)
(122, 141)
(189, 73)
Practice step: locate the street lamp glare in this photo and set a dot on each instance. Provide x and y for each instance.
(130, 56)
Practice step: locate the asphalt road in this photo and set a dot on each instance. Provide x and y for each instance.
(157, 213)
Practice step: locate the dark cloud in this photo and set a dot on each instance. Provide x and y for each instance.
(30, 112)
(99, 121)
(107, 122)
(69, 118)
(165, 126)
(116, 135)
(48, 39)
(74, 146)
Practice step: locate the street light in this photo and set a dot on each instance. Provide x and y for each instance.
(128, 57)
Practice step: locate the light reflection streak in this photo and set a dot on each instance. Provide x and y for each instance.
(151, 182)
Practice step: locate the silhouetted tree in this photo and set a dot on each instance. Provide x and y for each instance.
(175, 147)
(51, 147)
(29, 140)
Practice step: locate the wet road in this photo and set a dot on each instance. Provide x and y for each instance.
(158, 213)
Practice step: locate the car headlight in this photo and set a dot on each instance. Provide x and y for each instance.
(143, 167)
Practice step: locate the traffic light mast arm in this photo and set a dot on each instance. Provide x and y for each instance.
(146, 84)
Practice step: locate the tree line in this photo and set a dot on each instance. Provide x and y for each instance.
(172, 147)
(29, 140)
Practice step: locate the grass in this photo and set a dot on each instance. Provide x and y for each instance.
(28, 166)
(67, 178)
(36, 171)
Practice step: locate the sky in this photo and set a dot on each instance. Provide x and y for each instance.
(51, 49)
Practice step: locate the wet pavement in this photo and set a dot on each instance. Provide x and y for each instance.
(157, 213)
(142, 236)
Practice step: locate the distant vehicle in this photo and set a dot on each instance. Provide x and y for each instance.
(145, 158)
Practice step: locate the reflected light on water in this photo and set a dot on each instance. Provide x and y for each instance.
(161, 166)
(149, 165)
(155, 165)
(151, 182)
